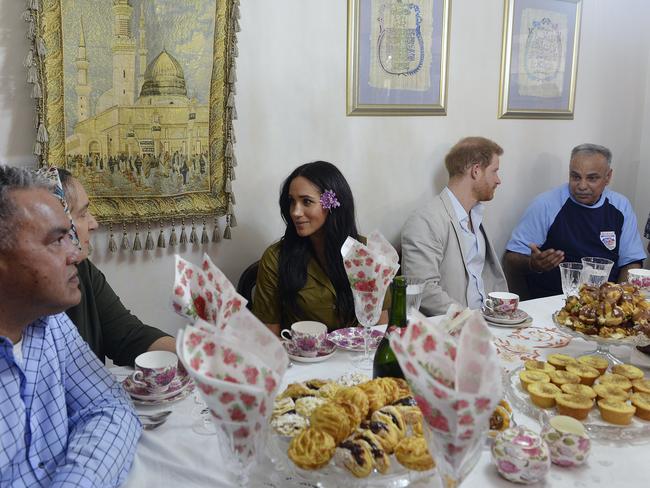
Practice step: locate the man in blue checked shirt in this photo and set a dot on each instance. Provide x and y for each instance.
(64, 421)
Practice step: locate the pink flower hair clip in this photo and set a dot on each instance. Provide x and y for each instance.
(328, 200)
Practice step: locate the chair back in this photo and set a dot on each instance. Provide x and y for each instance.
(246, 283)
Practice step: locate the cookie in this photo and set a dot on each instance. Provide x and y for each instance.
(305, 406)
(355, 396)
(289, 424)
(413, 453)
(355, 456)
(379, 456)
(333, 419)
(375, 394)
(311, 449)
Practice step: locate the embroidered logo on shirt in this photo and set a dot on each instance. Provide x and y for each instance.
(608, 238)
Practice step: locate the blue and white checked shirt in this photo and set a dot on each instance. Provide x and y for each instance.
(64, 421)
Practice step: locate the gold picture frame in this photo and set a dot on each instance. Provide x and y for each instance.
(539, 59)
(185, 140)
(397, 57)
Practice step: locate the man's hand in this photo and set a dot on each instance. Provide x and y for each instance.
(542, 261)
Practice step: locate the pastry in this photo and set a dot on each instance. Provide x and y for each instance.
(355, 456)
(386, 433)
(604, 390)
(404, 389)
(617, 380)
(352, 379)
(578, 389)
(629, 371)
(586, 373)
(411, 415)
(282, 406)
(528, 377)
(601, 364)
(504, 403)
(407, 401)
(296, 390)
(576, 406)
(390, 414)
(561, 377)
(642, 403)
(391, 389)
(305, 406)
(315, 384)
(500, 419)
(352, 411)
(289, 424)
(559, 361)
(543, 394)
(379, 456)
(375, 394)
(333, 419)
(641, 386)
(311, 449)
(413, 453)
(328, 390)
(355, 396)
(543, 366)
(616, 411)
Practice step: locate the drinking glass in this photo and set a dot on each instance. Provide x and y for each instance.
(367, 308)
(414, 291)
(571, 274)
(596, 271)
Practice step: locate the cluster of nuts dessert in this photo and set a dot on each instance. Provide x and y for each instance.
(573, 385)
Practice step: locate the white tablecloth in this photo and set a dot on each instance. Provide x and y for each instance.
(175, 456)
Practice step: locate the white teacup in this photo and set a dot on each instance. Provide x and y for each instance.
(307, 337)
(502, 302)
(155, 370)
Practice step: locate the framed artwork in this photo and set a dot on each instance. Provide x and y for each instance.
(397, 57)
(136, 99)
(539, 58)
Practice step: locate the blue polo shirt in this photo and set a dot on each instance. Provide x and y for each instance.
(607, 229)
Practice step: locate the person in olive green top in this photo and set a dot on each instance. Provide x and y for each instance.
(302, 277)
(101, 318)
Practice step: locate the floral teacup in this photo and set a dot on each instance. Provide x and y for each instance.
(155, 370)
(307, 337)
(567, 441)
(502, 303)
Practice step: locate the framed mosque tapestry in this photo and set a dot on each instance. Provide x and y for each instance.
(136, 99)
(539, 59)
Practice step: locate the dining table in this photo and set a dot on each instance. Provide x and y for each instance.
(186, 452)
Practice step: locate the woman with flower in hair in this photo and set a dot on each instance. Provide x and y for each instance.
(302, 276)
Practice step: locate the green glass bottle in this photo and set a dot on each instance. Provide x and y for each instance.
(385, 362)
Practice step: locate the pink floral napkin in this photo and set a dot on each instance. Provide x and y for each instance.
(456, 382)
(370, 268)
(204, 292)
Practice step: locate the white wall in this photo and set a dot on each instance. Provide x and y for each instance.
(291, 104)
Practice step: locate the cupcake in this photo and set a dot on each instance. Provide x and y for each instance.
(616, 380)
(543, 394)
(528, 377)
(543, 366)
(561, 377)
(615, 411)
(613, 392)
(559, 361)
(641, 386)
(586, 373)
(642, 403)
(576, 406)
(629, 371)
(578, 389)
(601, 364)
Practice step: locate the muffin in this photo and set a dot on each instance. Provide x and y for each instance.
(586, 373)
(629, 371)
(601, 364)
(613, 392)
(576, 406)
(578, 389)
(642, 403)
(543, 394)
(543, 366)
(616, 380)
(528, 377)
(641, 386)
(559, 361)
(616, 411)
(561, 377)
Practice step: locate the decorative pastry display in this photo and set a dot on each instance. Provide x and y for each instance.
(578, 389)
(355, 426)
(616, 411)
(642, 403)
(576, 406)
(612, 311)
(587, 374)
(543, 394)
(616, 380)
(603, 390)
(561, 377)
(601, 364)
(528, 377)
(630, 372)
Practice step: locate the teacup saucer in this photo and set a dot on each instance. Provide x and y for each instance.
(515, 318)
(326, 351)
(178, 384)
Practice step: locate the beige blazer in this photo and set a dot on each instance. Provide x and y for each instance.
(431, 250)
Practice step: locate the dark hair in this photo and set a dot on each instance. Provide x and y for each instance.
(296, 251)
(469, 151)
(68, 188)
(11, 179)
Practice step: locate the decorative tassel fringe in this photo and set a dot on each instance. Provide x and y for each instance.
(236, 12)
(233, 220)
(26, 16)
(112, 245)
(235, 50)
(216, 232)
(40, 46)
(148, 243)
(227, 187)
(231, 100)
(236, 26)
(194, 239)
(183, 239)
(161, 240)
(232, 199)
(204, 235)
(229, 209)
(226, 233)
(29, 59)
(31, 30)
(38, 150)
(232, 76)
(126, 245)
(233, 113)
(137, 245)
(33, 5)
(41, 134)
(173, 239)
(233, 160)
(36, 91)
(32, 74)
(228, 152)
(232, 173)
